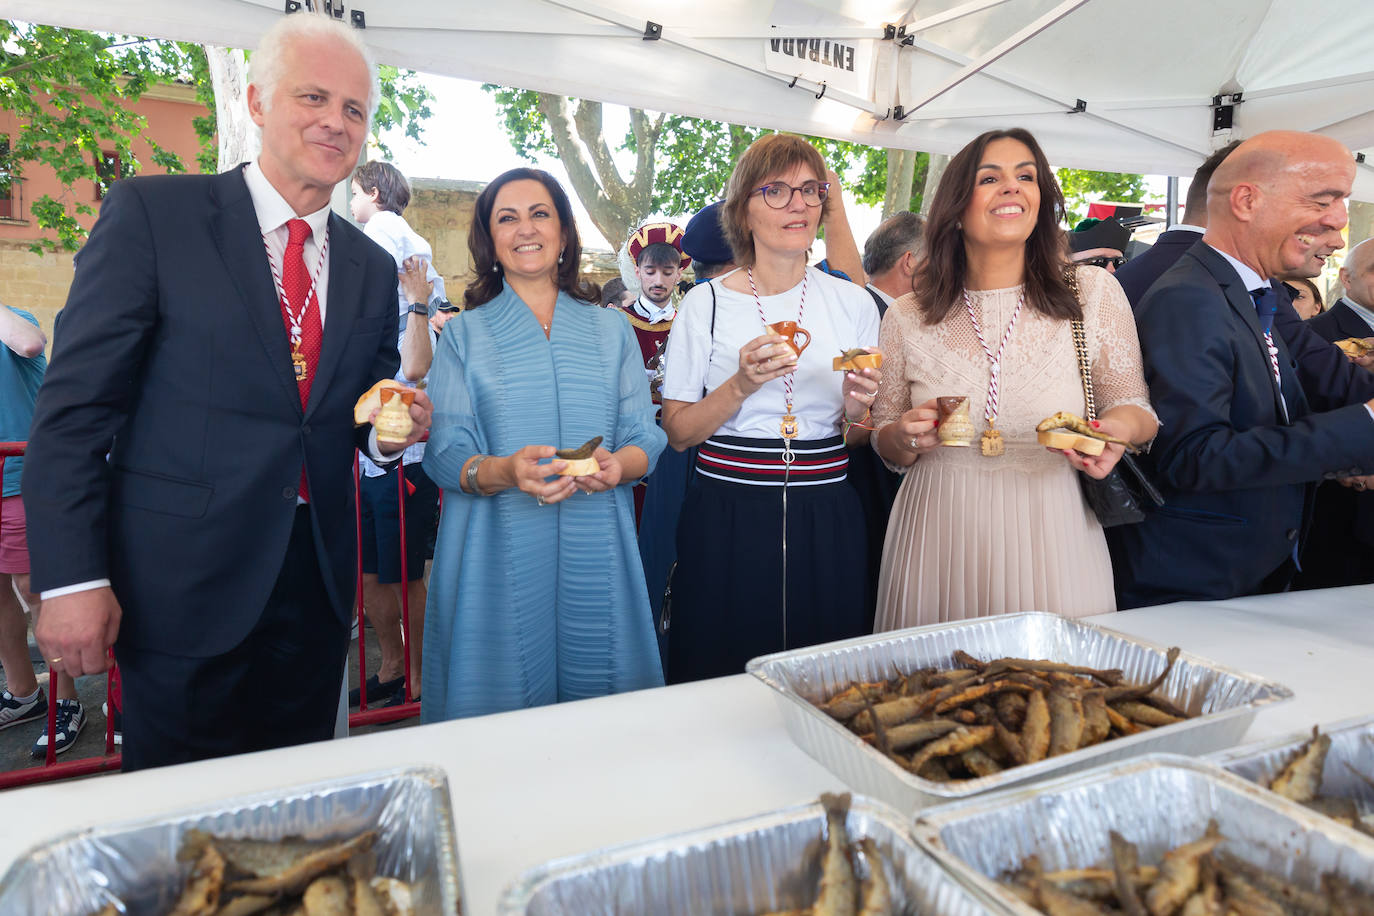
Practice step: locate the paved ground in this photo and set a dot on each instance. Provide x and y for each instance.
(17, 741)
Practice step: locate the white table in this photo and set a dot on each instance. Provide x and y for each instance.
(542, 783)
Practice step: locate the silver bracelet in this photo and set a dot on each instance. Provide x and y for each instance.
(470, 475)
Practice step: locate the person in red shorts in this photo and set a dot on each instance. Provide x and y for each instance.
(21, 372)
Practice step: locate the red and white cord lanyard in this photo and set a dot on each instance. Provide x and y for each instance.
(789, 420)
(296, 317)
(994, 361)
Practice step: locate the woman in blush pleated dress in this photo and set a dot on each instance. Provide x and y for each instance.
(537, 594)
(975, 532)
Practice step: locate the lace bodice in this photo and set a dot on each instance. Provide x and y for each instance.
(1039, 373)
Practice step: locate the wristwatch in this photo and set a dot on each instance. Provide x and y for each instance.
(418, 308)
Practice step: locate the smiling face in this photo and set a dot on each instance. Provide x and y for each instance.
(314, 125)
(1005, 203)
(791, 230)
(525, 230)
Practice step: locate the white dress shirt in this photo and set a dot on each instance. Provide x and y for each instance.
(654, 313)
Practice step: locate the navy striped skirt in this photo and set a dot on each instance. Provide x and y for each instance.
(730, 599)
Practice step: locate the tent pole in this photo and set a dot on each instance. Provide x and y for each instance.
(1171, 201)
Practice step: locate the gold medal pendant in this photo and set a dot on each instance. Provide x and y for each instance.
(788, 426)
(298, 363)
(992, 443)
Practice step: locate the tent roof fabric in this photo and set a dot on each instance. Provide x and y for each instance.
(1147, 74)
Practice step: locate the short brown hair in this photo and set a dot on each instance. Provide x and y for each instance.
(393, 191)
(768, 156)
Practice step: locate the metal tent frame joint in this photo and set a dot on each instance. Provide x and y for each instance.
(1079, 106)
(1224, 110)
(652, 31)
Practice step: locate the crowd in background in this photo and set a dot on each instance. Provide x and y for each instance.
(637, 488)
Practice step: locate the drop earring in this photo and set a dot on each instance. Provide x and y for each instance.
(496, 268)
(560, 257)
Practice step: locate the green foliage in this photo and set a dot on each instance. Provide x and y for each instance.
(404, 104)
(71, 92)
(1082, 187)
(694, 157)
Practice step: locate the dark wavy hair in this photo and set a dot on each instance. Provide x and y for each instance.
(941, 274)
(487, 283)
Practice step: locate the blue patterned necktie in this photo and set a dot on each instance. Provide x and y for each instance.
(1266, 304)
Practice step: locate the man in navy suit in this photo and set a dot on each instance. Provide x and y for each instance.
(1239, 446)
(1139, 274)
(1341, 548)
(216, 336)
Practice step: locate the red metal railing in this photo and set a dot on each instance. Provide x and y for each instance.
(52, 770)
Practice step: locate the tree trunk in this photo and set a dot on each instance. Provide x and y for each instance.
(938, 161)
(239, 141)
(901, 166)
(614, 206)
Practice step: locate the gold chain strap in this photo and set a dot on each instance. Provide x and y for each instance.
(1080, 346)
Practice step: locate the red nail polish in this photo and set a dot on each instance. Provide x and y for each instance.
(1095, 424)
(937, 424)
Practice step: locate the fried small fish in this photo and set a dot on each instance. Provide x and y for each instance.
(247, 905)
(1035, 733)
(1123, 724)
(889, 714)
(305, 870)
(956, 742)
(978, 762)
(1066, 720)
(200, 896)
(850, 701)
(1055, 901)
(327, 896)
(582, 452)
(1066, 420)
(1125, 863)
(836, 896)
(1010, 743)
(1179, 874)
(1011, 710)
(1115, 694)
(1301, 777)
(910, 734)
(875, 897)
(1096, 725)
(1143, 714)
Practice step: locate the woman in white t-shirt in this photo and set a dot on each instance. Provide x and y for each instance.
(771, 541)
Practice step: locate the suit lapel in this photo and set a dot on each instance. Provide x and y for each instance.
(239, 238)
(1238, 298)
(344, 304)
(1350, 324)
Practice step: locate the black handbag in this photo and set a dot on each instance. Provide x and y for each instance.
(1116, 499)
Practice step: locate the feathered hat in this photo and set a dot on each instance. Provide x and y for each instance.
(656, 234)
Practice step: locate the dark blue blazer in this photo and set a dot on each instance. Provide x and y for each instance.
(173, 358)
(1236, 469)
(1338, 323)
(1138, 274)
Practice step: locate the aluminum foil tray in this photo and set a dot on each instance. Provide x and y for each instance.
(1352, 743)
(1225, 701)
(762, 863)
(134, 864)
(1157, 803)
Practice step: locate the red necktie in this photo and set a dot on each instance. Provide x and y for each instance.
(297, 286)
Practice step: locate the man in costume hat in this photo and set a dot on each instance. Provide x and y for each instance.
(656, 249)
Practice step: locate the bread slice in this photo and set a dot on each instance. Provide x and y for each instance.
(579, 467)
(1063, 438)
(854, 360)
(1354, 347)
(372, 400)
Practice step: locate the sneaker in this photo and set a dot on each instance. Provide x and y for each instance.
(118, 723)
(13, 710)
(71, 718)
(399, 699)
(377, 691)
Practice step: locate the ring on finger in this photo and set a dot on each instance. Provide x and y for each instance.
(913, 442)
(540, 500)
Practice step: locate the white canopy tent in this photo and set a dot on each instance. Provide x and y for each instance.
(1120, 85)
